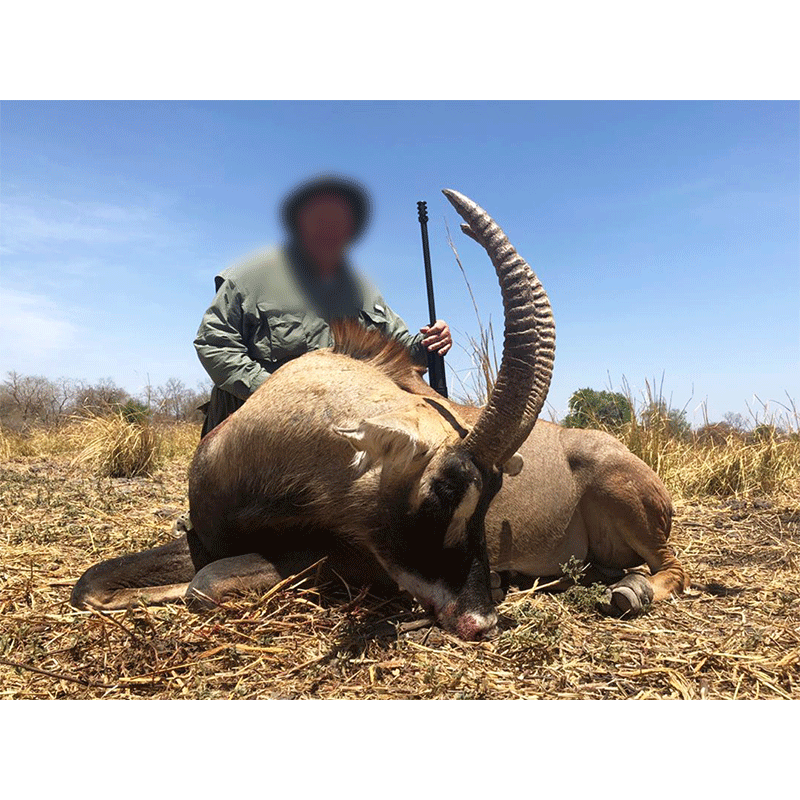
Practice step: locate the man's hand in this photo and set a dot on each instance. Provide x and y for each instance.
(437, 337)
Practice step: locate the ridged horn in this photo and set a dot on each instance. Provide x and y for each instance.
(528, 344)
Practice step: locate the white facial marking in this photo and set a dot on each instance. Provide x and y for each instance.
(484, 621)
(435, 593)
(457, 529)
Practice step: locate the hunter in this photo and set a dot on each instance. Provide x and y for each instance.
(277, 304)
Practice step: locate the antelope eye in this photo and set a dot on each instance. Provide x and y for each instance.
(446, 492)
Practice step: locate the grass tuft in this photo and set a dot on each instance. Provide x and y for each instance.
(115, 447)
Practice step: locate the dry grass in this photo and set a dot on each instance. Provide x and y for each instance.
(737, 526)
(34, 443)
(109, 444)
(333, 641)
(693, 467)
(738, 467)
(178, 439)
(115, 447)
(482, 350)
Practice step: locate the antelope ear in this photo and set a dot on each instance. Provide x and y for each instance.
(514, 465)
(391, 439)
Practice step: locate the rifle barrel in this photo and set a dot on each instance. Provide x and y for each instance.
(436, 371)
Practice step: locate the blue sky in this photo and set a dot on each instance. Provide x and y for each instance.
(666, 233)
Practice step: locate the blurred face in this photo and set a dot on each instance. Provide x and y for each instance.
(325, 226)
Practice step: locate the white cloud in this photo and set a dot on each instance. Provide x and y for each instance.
(33, 327)
(36, 224)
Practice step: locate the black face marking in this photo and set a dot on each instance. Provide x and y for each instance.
(414, 542)
(462, 432)
(447, 491)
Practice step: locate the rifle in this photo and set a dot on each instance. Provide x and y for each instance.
(436, 376)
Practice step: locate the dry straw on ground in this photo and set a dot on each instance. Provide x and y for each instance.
(305, 640)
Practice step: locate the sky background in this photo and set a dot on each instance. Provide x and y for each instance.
(666, 233)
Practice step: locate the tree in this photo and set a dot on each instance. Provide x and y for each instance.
(171, 398)
(767, 432)
(63, 397)
(135, 412)
(736, 421)
(104, 396)
(33, 399)
(27, 395)
(174, 400)
(589, 408)
(657, 414)
(718, 433)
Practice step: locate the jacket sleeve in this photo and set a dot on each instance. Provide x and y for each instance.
(397, 329)
(221, 346)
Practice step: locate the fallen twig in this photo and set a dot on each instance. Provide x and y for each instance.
(58, 675)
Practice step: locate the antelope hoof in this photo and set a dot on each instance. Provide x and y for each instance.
(496, 586)
(182, 525)
(628, 597)
(199, 601)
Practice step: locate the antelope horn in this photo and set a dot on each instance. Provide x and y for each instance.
(528, 345)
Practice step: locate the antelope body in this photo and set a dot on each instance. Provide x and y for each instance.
(347, 453)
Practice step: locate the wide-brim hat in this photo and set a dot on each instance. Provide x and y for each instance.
(357, 196)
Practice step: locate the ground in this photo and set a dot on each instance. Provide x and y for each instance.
(301, 641)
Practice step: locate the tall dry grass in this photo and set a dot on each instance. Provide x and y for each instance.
(179, 440)
(114, 446)
(692, 467)
(110, 444)
(35, 443)
(481, 349)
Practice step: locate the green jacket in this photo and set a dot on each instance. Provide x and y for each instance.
(268, 311)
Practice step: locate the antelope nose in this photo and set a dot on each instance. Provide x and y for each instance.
(475, 625)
